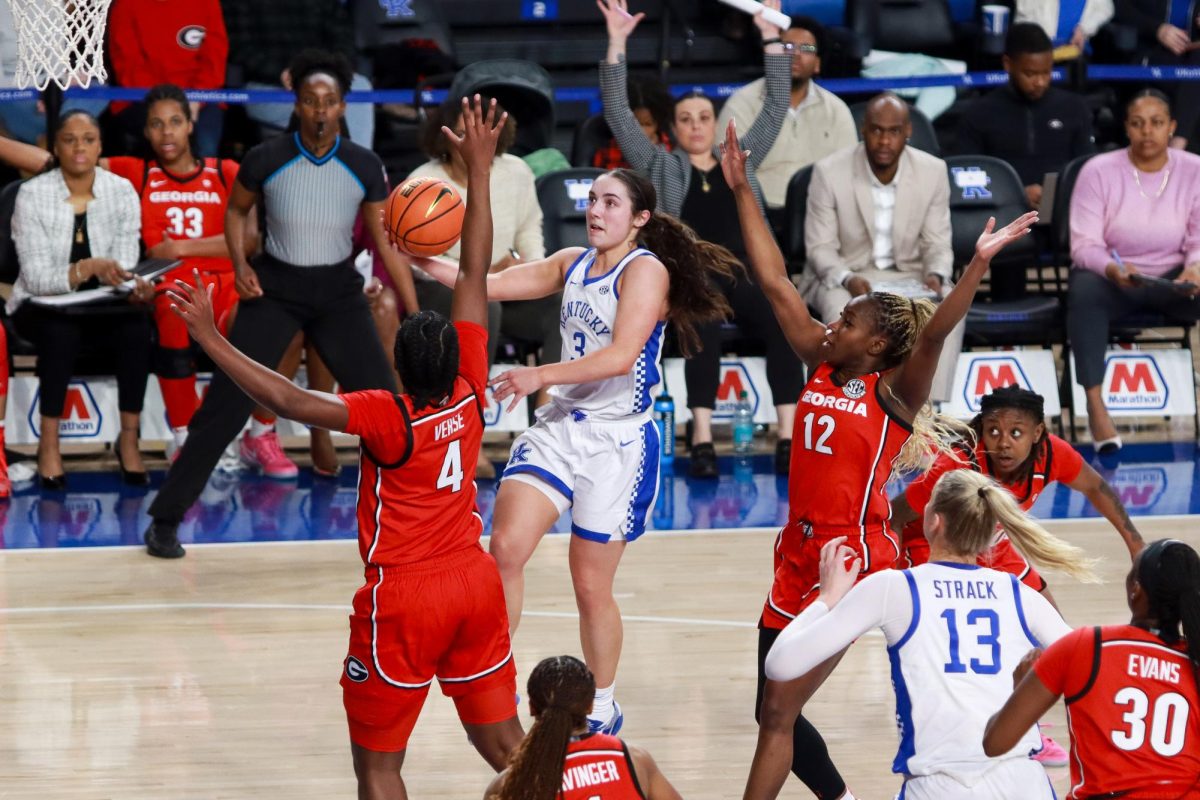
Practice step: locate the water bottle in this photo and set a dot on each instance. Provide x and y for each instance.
(664, 417)
(743, 424)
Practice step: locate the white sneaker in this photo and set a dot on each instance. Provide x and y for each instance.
(231, 460)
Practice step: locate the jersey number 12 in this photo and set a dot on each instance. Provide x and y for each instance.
(452, 472)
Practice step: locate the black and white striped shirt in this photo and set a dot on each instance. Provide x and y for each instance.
(311, 203)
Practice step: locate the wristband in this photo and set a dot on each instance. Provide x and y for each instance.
(776, 40)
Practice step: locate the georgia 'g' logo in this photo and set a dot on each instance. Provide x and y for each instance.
(355, 670)
(854, 388)
(191, 36)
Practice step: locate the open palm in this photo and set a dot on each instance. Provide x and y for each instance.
(992, 241)
(617, 18)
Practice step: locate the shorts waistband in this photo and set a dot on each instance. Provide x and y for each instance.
(265, 259)
(833, 531)
(584, 417)
(445, 561)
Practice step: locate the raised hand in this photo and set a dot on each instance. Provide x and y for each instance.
(767, 29)
(516, 383)
(993, 241)
(481, 132)
(193, 304)
(617, 19)
(733, 158)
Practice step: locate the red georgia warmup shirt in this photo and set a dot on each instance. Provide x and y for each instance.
(843, 446)
(599, 767)
(416, 485)
(1132, 712)
(188, 206)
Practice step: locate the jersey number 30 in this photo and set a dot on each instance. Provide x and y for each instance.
(452, 472)
(1168, 724)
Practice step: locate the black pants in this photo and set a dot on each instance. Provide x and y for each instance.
(328, 304)
(1094, 303)
(810, 757)
(124, 331)
(753, 315)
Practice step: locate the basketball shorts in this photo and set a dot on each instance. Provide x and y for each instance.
(172, 331)
(411, 623)
(605, 472)
(1010, 779)
(1003, 557)
(798, 565)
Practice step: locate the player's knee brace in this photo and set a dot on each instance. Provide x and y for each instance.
(171, 362)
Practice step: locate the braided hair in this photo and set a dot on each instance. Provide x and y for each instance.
(1169, 573)
(561, 690)
(1033, 405)
(426, 354)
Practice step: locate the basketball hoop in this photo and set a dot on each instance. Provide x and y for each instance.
(60, 42)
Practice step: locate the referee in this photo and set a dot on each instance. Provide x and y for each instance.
(310, 186)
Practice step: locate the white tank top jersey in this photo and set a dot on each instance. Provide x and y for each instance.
(586, 318)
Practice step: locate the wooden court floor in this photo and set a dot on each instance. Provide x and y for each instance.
(216, 676)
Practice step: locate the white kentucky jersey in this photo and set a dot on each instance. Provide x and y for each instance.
(953, 668)
(586, 318)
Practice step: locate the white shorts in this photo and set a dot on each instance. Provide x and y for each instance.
(606, 472)
(1010, 779)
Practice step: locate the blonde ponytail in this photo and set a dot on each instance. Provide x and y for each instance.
(973, 505)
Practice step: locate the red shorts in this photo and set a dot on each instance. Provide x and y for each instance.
(798, 565)
(443, 618)
(172, 332)
(1003, 557)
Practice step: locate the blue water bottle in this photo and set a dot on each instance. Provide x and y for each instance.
(664, 417)
(743, 425)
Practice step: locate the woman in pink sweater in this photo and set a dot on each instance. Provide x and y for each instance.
(1135, 214)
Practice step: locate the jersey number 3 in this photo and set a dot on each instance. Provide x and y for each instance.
(452, 472)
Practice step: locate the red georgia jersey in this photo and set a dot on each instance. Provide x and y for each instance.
(843, 446)
(1132, 710)
(1056, 461)
(181, 206)
(416, 485)
(599, 767)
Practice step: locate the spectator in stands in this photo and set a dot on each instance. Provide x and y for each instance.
(651, 103)
(1135, 213)
(76, 227)
(691, 186)
(151, 42)
(879, 220)
(264, 35)
(1167, 32)
(1066, 23)
(1035, 127)
(818, 122)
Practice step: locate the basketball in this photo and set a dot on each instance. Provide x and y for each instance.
(424, 217)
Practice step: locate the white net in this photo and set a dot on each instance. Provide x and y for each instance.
(59, 41)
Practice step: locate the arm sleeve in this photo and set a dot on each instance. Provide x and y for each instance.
(614, 93)
(1045, 623)
(1088, 249)
(819, 633)
(739, 107)
(253, 170)
(1191, 236)
(1095, 14)
(1145, 15)
(214, 52)
(130, 168)
(473, 355)
(765, 130)
(35, 252)
(130, 64)
(1067, 461)
(936, 251)
(127, 237)
(374, 179)
(374, 417)
(1065, 666)
(230, 171)
(821, 231)
(844, 131)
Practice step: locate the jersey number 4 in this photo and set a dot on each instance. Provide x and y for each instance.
(452, 472)
(1168, 726)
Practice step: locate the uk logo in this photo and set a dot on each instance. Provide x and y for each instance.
(577, 192)
(520, 455)
(988, 373)
(1134, 382)
(394, 9)
(973, 181)
(734, 379)
(81, 416)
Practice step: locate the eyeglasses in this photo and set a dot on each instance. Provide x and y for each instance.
(806, 48)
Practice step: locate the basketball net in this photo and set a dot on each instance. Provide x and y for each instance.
(59, 41)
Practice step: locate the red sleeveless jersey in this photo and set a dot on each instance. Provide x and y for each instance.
(188, 206)
(416, 485)
(843, 446)
(1132, 708)
(599, 767)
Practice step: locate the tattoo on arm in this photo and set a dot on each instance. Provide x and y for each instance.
(1108, 492)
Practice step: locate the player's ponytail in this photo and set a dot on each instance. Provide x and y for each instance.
(973, 506)
(426, 355)
(561, 690)
(1169, 573)
(694, 265)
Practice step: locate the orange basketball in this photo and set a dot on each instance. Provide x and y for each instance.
(424, 217)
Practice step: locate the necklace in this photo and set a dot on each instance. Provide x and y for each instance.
(1137, 177)
(704, 187)
(79, 230)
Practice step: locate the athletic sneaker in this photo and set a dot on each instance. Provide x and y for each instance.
(1051, 754)
(612, 727)
(265, 454)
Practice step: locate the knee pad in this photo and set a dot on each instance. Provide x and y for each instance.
(170, 362)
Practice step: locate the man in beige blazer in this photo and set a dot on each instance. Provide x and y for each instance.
(879, 214)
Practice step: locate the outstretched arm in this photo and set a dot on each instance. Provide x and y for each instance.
(193, 304)
(1028, 702)
(803, 333)
(649, 776)
(24, 157)
(911, 382)
(478, 148)
(527, 281)
(1102, 497)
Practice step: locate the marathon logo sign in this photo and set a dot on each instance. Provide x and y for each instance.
(81, 415)
(1140, 488)
(734, 379)
(979, 374)
(1144, 383)
(736, 375)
